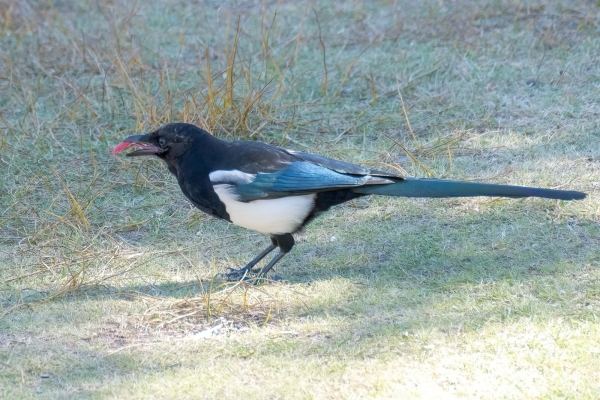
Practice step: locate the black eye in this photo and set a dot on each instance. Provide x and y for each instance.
(162, 141)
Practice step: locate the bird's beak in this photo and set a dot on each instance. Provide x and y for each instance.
(142, 144)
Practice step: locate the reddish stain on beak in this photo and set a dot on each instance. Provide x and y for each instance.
(122, 146)
(141, 148)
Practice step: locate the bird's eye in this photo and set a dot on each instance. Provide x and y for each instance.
(162, 141)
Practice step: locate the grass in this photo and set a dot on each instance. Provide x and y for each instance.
(109, 281)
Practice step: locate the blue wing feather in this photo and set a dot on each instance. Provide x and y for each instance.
(299, 177)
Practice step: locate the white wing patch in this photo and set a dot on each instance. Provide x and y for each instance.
(232, 176)
(271, 216)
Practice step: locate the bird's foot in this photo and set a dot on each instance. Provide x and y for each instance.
(236, 274)
(244, 274)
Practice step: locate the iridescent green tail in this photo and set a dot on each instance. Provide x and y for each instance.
(414, 187)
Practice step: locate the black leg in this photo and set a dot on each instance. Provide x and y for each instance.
(285, 243)
(270, 265)
(239, 272)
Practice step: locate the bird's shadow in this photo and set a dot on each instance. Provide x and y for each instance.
(415, 249)
(414, 254)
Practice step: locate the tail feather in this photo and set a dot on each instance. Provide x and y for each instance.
(414, 187)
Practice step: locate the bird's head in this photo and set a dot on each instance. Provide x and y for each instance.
(168, 142)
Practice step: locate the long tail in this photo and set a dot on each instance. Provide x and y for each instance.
(414, 187)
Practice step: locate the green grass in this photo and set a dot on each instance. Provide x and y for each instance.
(109, 282)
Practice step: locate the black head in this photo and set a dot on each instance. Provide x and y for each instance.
(168, 142)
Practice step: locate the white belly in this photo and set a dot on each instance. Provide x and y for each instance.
(275, 216)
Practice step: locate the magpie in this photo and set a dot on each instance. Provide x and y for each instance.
(276, 191)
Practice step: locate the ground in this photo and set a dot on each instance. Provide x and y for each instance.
(110, 280)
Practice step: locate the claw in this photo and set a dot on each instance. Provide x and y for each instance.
(242, 274)
(234, 274)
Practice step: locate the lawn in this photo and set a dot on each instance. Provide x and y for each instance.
(110, 282)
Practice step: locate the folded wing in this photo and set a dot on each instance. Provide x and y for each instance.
(297, 178)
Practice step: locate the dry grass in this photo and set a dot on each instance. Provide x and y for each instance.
(109, 279)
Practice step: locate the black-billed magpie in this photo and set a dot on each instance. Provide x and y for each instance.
(277, 191)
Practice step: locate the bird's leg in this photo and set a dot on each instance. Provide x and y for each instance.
(285, 243)
(239, 272)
